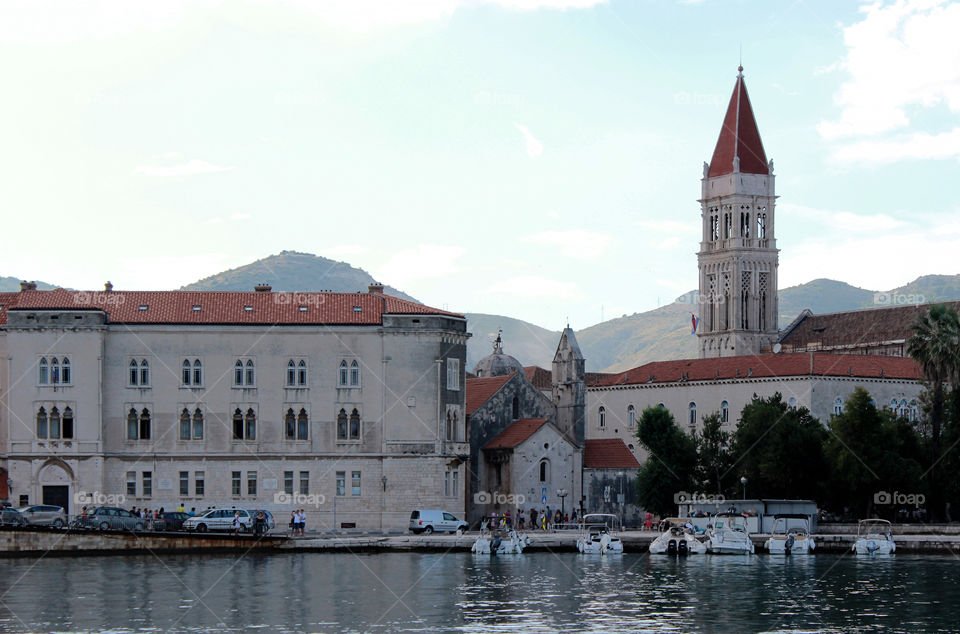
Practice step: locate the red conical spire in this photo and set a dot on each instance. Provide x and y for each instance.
(739, 137)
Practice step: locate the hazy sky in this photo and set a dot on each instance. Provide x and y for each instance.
(535, 158)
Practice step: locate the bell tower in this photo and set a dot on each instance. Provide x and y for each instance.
(738, 255)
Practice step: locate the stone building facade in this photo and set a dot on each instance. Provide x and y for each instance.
(349, 405)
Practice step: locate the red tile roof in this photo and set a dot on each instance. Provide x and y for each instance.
(516, 433)
(766, 366)
(222, 307)
(7, 300)
(479, 391)
(739, 137)
(608, 453)
(542, 379)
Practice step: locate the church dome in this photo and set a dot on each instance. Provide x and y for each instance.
(498, 363)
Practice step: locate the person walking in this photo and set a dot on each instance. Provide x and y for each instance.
(293, 523)
(236, 522)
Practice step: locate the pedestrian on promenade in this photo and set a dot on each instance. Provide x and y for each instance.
(303, 522)
(293, 523)
(192, 511)
(236, 522)
(533, 519)
(180, 508)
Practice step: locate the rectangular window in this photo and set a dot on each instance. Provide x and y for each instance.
(184, 483)
(132, 483)
(235, 482)
(355, 483)
(453, 374)
(251, 482)
(446, 484)
(147, 481)
(456, 483)
(198, 483)
(341, 482)
(288, 482)
(304, 483)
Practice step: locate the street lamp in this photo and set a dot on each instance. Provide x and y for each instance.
(743, 481)
(562, 494)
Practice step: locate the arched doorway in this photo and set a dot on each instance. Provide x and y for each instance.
(55, 479)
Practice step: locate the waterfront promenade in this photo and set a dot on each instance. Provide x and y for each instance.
(927, 539)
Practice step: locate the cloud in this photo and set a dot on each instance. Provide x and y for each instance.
(190, 168)
(669, 226)
(841, 221)
(901, 58)
(536, 286)
(919, 145)
(580, 245)
(420, 262)
(534, 147)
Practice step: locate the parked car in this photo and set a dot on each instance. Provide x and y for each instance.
(106, 518)
(170, 521)
(430, 520)
(44, 515)
(11, 517)
(219, 520)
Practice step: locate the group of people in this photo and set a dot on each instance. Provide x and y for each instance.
(298, 522)
(537, 520)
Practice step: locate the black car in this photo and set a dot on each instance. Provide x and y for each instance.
(170, 521)
(11, 517)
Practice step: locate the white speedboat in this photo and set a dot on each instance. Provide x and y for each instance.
(600, 535)
(676, 539)
(791, 535)
(497, 543)
(728, 535)
(874, 537)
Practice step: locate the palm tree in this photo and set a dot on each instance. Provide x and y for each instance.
(935, 345)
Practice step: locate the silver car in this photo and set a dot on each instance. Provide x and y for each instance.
(44, 515)
(219, 520)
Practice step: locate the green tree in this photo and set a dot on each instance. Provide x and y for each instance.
(870, 451)
(779, 449)
(670, 466)
(935, 345)
(713, 455)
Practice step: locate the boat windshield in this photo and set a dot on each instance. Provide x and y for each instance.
(790, 525)
(601, 522)
(874, 527)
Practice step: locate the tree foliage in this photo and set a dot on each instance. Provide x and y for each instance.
(780, 450)
(713, 456)
(670, 466)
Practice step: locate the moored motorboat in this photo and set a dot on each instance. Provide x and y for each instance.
(600, 535)
(874, 537)
(728, 535)
(791, 535)
(676, 539)
(500, 543)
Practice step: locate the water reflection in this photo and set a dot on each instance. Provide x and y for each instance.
(435, 591)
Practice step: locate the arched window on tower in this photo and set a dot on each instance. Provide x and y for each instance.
(837, 406)
(631, 416)
(745, 300)
(544, 471)
(724, 412)
(515, 408)
(693, 415)
(762, 299)
(602, 417)
(761, 225)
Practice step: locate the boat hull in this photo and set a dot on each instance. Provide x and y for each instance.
(874, 546)
(779, 546)
(663, 546)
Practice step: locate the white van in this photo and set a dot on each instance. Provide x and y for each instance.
(430, 521)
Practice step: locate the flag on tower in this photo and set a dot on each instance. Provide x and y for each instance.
(694, 322)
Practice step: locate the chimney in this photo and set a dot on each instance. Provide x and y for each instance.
(262, 288)
(28, 286)
(108, 286)
(376, 287)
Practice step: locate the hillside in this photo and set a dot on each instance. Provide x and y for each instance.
(12, 284)
(529, 343)
(293, 271)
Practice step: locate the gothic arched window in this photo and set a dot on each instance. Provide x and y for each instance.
(41, 423)
(342, 423)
